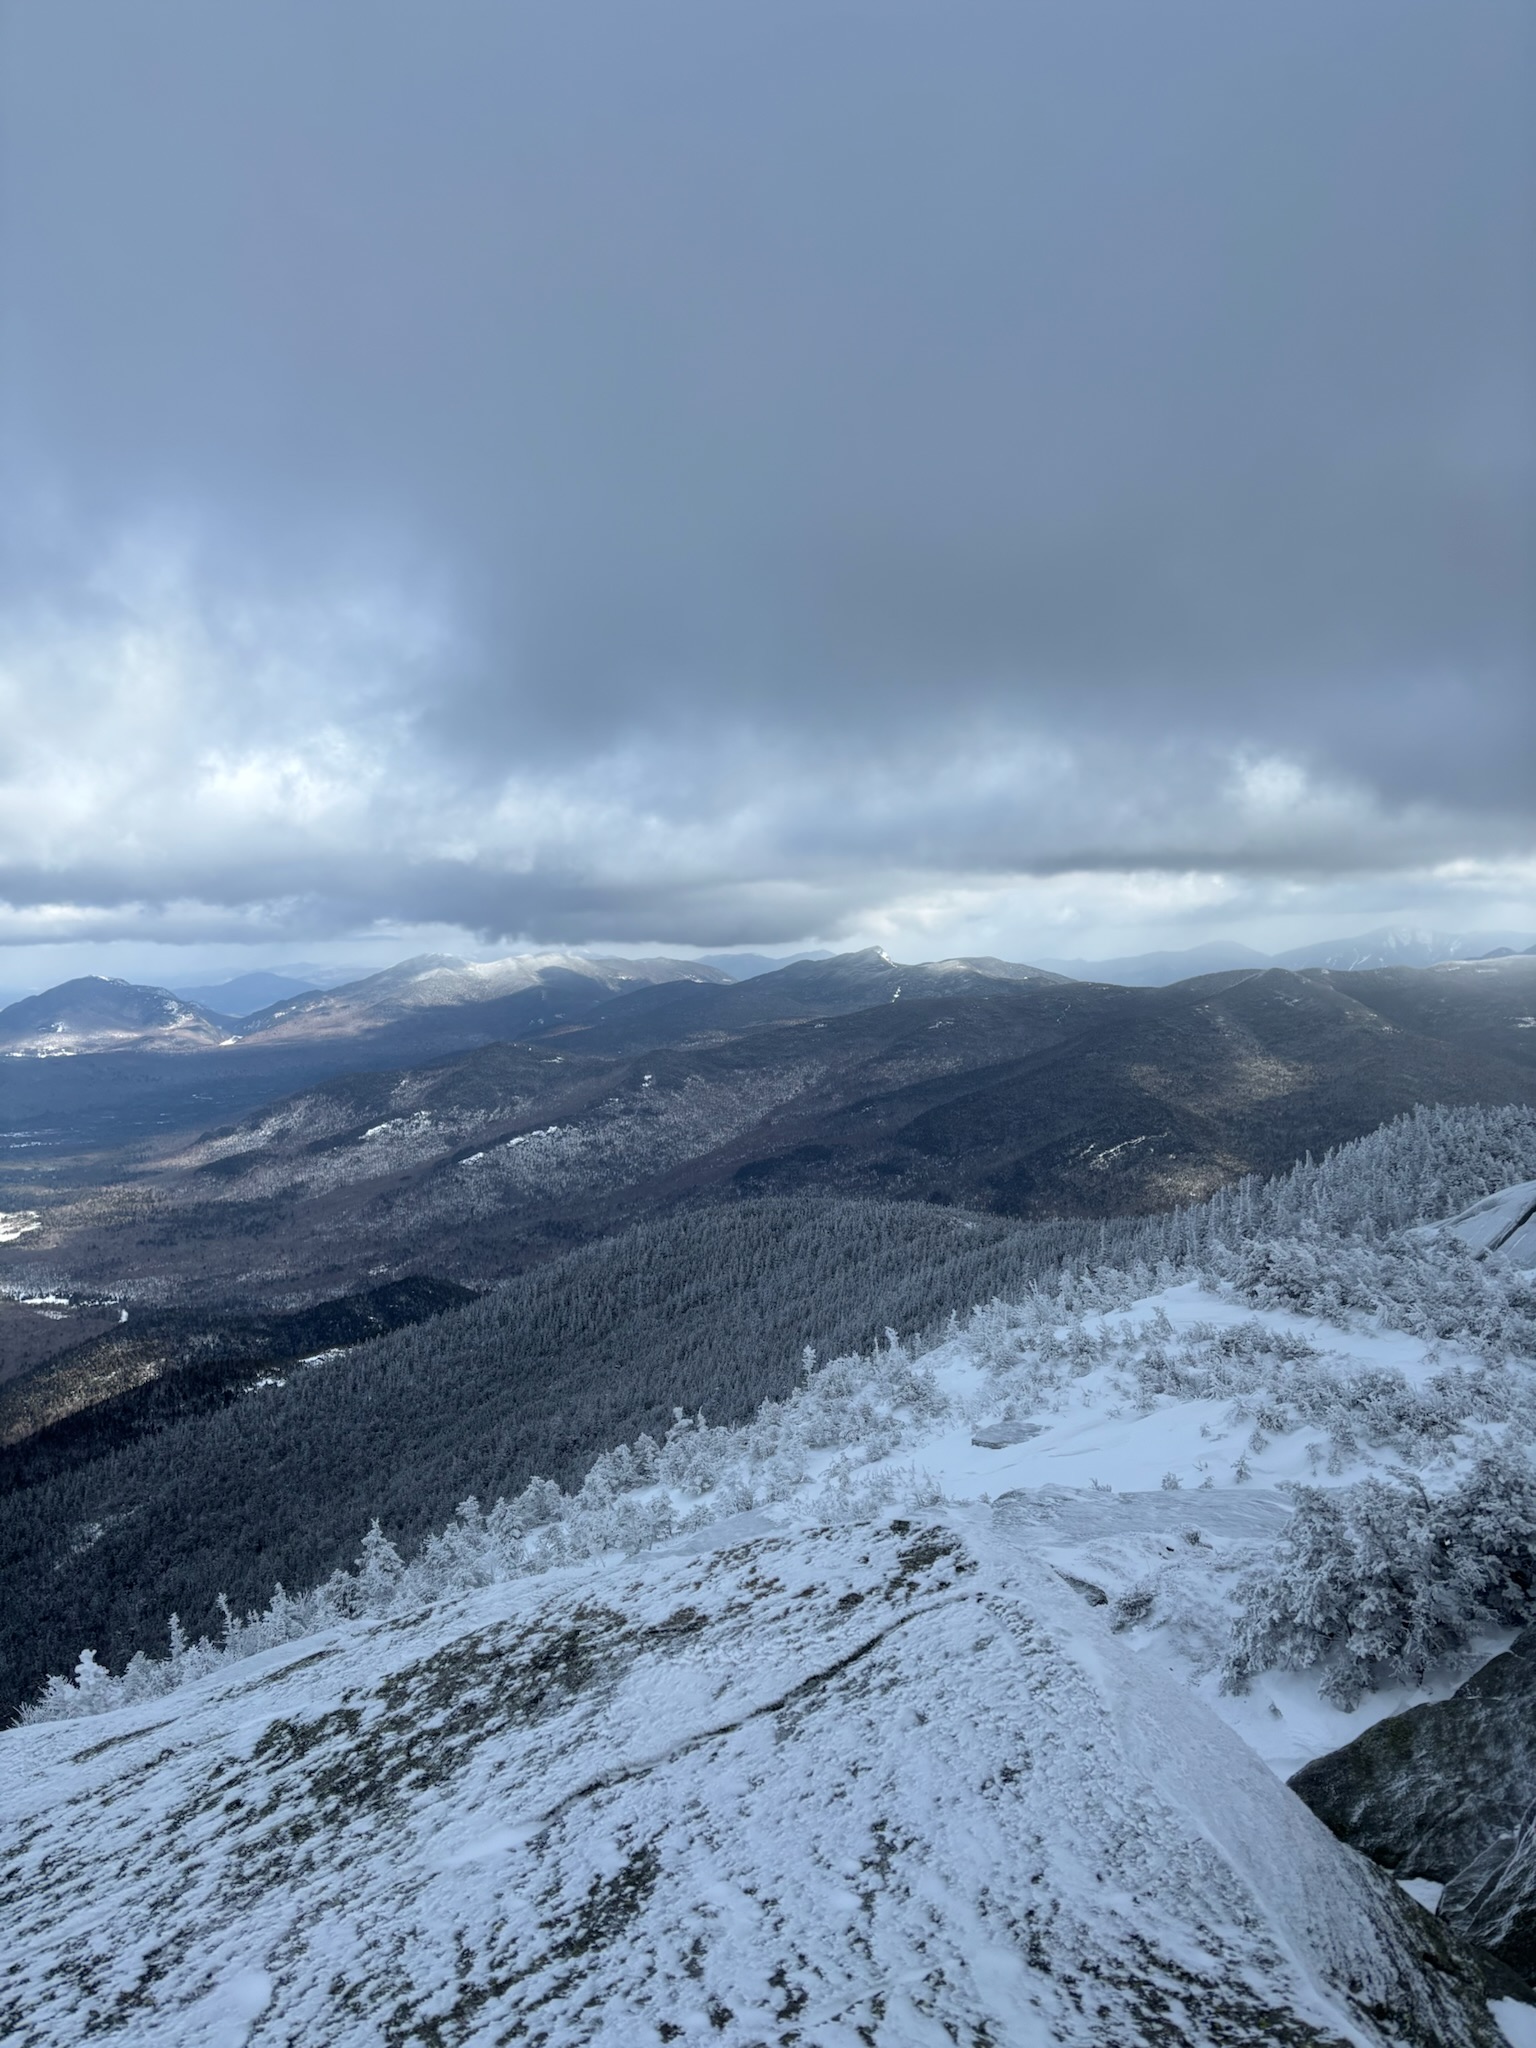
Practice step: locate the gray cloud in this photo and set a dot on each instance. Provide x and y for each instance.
(720, 474)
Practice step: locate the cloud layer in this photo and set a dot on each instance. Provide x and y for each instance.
(715, 476)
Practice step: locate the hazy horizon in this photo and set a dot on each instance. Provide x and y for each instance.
(176, 968)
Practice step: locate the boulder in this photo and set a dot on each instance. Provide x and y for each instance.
(997, 1436)
(1492, 1902)
(1429, 1792)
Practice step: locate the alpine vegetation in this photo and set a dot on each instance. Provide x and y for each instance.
(1382, 1581)
(1321, 1328)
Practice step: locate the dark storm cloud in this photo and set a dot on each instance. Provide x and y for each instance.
(750, 404)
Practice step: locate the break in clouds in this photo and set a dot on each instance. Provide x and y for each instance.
(697, 475)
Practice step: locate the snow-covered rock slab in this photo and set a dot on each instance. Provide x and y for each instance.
(1064, 1514)
(885, 1784)
(1504, 1222)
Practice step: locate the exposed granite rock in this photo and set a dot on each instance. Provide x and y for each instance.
(1428, 1792)
(1492, 1902)
(997, 1436)
(879, 1783)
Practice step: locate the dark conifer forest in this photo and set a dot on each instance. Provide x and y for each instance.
(230, 1476)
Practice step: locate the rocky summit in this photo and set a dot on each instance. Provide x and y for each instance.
(882, 1783)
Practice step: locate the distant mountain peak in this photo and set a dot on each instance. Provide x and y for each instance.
(103, 1013)
(1390, 946)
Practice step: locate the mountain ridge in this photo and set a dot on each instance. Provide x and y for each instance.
(1388, 946)
(1028, 1099)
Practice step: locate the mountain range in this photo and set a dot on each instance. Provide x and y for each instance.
(138, 1081)
(435, 996)
(953, 1084)
(1391, 946)
(438, 1003)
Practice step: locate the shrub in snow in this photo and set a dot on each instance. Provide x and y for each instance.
(1380, 1581)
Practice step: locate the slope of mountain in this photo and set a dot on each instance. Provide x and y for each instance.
(885, 1783)
(1033, 1099)
(95, 1014)
(896, 1712)
(224, 1476)
(206, 1481)
(146, 1349)
(58, 1115)
(1483, 1006)
(858, 1710)
(32, 1332)
(246, 993)
(209, 1481)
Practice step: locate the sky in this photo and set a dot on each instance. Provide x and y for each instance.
(1030, 479)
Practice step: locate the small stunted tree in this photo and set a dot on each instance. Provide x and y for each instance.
(1379, 1582)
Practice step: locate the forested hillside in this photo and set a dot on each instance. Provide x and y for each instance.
(1027, 1100)
(712, 1310)
(167, 1496)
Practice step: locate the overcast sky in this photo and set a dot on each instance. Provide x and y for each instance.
(1033, 478)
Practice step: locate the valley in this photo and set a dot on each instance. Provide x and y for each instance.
(999, 1093)
(1055, 1335)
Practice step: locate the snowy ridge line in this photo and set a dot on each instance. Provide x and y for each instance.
(828, 1451)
